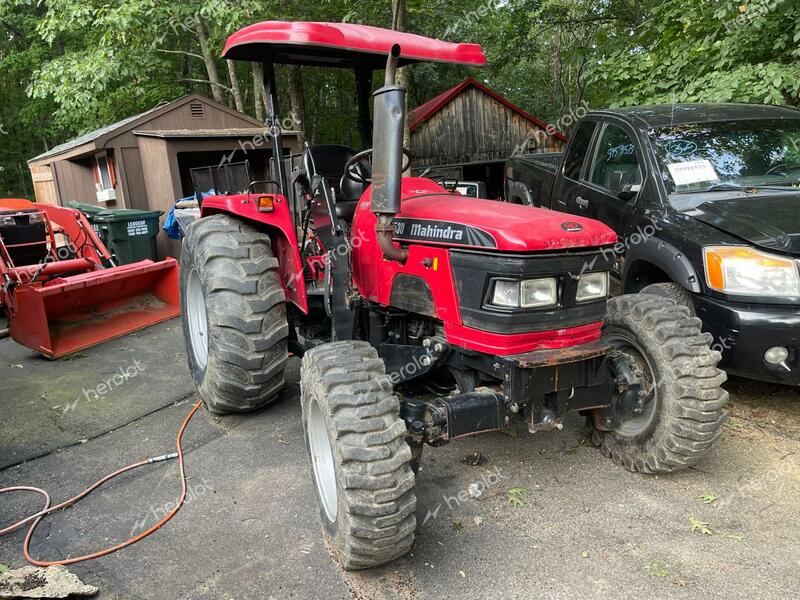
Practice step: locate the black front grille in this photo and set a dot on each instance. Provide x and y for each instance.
(474, 270)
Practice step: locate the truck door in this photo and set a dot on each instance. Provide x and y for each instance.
(610, 180)
(568, 185)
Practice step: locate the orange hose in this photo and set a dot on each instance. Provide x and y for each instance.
(36, 518)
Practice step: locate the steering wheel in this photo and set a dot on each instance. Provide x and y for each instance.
(362, 163)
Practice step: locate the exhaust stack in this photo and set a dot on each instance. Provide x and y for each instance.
(387, 157)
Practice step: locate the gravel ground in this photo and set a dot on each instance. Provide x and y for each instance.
(585, 528)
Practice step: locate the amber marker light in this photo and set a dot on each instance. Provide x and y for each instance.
(266, 203)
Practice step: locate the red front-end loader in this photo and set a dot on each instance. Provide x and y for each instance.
(61, 291)
(422, 316)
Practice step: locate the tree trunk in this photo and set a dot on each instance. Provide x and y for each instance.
(210, 62)
(259, 94)
(298, 102)
(399, 18)
(235, 87)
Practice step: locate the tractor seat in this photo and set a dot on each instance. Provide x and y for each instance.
(327, 161)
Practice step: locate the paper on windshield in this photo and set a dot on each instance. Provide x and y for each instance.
(693, 171)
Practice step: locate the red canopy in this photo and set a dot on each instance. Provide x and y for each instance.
(342, 45)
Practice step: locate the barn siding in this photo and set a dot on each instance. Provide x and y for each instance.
(474, 128)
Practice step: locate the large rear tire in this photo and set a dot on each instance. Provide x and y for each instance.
(684, 412)
(359, 456)
(234, 314)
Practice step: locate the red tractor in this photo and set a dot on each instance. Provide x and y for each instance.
(421, 315)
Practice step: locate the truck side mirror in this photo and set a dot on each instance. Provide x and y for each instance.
(628, 192)
(619, 179)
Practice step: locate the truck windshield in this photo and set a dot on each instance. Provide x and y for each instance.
(728, 155)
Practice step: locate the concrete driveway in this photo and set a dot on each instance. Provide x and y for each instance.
(582, 528)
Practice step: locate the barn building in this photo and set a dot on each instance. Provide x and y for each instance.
(469, 131)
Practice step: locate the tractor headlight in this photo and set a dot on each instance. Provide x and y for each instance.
(592, 286)
(529, 293)
(745, 271)
(36, 217)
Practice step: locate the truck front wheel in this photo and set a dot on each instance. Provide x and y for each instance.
(234, 314)
(669, 403)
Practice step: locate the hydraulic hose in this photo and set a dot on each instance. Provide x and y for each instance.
(36, 518)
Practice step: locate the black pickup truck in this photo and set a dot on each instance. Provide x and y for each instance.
(706, 202)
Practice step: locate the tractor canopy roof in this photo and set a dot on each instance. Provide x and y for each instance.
(346, 45)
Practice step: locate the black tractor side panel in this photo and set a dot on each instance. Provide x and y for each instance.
(413, 294)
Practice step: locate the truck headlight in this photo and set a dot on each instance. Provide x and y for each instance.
(529, 293)
(592, 286)
(745, 271)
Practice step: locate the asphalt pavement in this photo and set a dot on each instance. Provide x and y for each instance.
(554, 520)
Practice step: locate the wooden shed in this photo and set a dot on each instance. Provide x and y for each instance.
(144, 161)
(469, 131)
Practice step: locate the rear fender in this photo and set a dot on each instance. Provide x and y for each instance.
(279, 225)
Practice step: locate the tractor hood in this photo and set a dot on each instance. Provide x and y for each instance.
(429, 214)
(767, 219)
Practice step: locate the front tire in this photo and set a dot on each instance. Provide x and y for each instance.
(359, 457)
(677, 293)
(683, 418)
(234, 314)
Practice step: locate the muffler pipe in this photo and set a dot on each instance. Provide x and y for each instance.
(387, 157)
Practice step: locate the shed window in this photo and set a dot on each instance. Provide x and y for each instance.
(105, 177)
(197, 110)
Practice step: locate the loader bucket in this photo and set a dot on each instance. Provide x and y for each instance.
(71, 313)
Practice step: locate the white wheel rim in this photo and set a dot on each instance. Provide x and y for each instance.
(197, 319)
(322, 460)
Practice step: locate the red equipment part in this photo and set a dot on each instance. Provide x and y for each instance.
(58, 307)
(278, 224)
(344, 45)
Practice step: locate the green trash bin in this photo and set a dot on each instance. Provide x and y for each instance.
(129, 234)
(90, 211)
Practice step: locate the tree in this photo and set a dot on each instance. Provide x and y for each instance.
(688, 51)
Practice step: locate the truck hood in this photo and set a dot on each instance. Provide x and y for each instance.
(431, 215)
(766, 219)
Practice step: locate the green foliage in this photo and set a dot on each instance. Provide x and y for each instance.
(657, 569)
(716, 51)
(708, 498)
(69, 66)
(700, 526)
(515, 496)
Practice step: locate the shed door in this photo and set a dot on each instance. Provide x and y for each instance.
(44, 186)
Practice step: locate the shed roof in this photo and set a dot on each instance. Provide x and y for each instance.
(427, 110)
(238, 132)
(104, 133)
